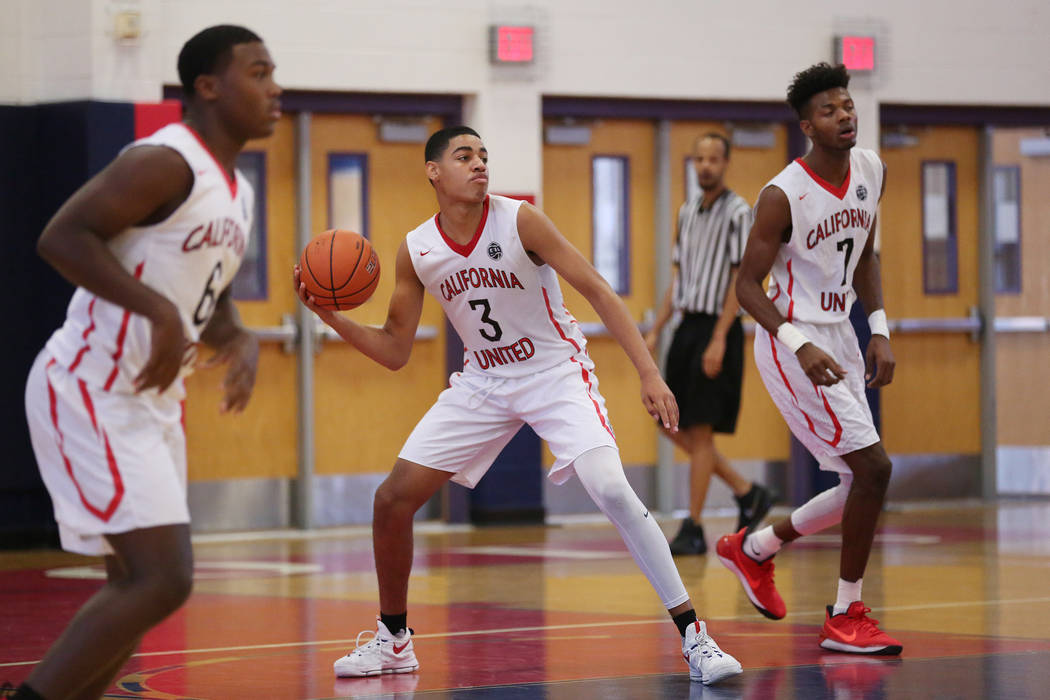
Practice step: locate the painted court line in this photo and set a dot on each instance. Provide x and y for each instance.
(539, 553)
(508, 630)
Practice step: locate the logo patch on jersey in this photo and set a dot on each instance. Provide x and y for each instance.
(495, 252)
(862, 192)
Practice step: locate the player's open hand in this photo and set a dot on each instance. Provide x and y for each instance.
(713, 356)
(659, 401)
(308, 299)
(879, 362)
(167, 347)
(241, 355)
(819, 366)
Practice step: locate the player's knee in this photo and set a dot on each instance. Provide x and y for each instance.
(616, 500)
(874, 472)
(179, 587)
(168, 588)
(383, 501)
(389, 502)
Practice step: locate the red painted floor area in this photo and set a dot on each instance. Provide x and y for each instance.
(261, 633)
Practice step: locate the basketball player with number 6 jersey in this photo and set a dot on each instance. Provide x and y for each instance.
(152, 243)
(493, 264)
(814, 236)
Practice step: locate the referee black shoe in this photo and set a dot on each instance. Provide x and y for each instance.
(690, 539)
(754, 505)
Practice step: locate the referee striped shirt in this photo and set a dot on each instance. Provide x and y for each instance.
(710, 241)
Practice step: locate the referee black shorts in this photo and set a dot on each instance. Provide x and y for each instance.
(701, 399)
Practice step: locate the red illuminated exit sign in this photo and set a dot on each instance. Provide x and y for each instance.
(509, 44)
(857, 53)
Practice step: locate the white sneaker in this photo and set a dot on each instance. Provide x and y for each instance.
(384, 653)
(707, 663)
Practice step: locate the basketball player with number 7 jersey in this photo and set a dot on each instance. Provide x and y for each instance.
(813, 235)
(493, 265)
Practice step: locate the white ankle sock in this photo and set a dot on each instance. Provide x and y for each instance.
(849, 591)
(762, 544)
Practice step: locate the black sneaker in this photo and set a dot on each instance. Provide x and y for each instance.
(754, 505)
(690, 539)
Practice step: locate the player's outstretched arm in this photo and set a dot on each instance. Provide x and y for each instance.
(143, 185)
(540, 237)
(234, 346)
(771, 228)
(391, 344)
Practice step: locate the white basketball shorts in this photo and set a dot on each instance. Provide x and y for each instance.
(829, 420)
(474, 419)
(112, 462)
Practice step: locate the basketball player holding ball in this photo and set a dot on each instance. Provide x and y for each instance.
(493, 265)
(152, 243)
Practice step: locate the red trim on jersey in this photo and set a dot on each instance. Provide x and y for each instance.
(827, 407)
(839, 191)
(111, 460)
(597, 409)
(779, 290)
(467, 249)
(230, 181)
(550, 313)
(87, 332)
(791, 289)
(121, 335)
(583, 370)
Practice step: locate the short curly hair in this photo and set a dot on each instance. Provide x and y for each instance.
(813, 80)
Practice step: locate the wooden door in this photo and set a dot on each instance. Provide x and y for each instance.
(261, 442)
(933, 405)
(362, 411)
(1023, 290)
(568, 200)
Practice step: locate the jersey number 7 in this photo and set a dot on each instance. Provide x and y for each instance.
(846, 243)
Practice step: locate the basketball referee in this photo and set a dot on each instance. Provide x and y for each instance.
(705, 363)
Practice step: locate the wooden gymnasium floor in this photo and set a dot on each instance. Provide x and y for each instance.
(562, 612)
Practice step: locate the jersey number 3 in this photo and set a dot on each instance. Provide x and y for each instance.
(497, 332)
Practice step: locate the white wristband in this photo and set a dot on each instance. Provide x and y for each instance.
(877, 323)
(791, 336)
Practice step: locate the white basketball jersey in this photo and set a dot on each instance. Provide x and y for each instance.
(508, 310)
(190, 258)
(812, 276)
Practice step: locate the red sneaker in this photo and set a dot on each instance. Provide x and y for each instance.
(756, 578)
(854, 632)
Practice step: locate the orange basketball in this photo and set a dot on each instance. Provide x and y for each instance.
(340, 269)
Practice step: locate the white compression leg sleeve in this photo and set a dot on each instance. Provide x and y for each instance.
(823, 510)
(601, 473)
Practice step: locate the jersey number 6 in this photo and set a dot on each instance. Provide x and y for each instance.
(206, 306)
(497, 332)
